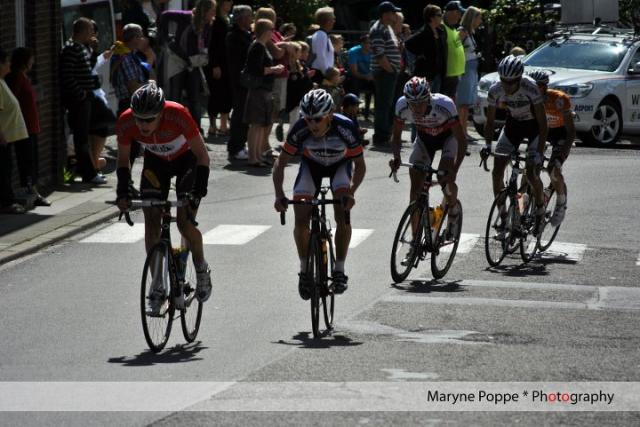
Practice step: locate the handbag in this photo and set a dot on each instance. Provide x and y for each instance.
(250, 81)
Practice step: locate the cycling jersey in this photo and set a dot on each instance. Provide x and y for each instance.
(519, 105)
(434, 126)
(556, 105)
(340, 143)
(169, 141)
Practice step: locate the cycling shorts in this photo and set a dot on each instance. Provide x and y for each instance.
(558, 139)
(157, 173)
(422, 155)
(310, 176)
(514, 133)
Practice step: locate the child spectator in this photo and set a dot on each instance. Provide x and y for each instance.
(338, 48)
(288, 31)
(351, 108)
(332, 83)
(298, 85)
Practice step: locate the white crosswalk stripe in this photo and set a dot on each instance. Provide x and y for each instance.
(358, 235)
(466, 245)
(638, 261)
(566, 251)
(236, 234)
(117, 233)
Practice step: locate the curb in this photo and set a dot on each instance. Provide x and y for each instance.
(58, 234)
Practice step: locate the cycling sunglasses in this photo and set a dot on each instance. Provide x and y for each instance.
(510, 82)
(315, 119)
(145, 119)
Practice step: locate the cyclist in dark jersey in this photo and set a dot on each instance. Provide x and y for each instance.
(329, 144)
(526, 119)
(562, 133)
(173, 147)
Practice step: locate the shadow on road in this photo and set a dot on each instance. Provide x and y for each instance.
(520, 270)
(177, 354)
(328, 340)
(428, 286)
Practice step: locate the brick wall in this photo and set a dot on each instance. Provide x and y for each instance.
(42, 31)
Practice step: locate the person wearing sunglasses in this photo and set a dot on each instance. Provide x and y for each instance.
(330, 146)
(526, 119)
(438, 128)
(173, 147)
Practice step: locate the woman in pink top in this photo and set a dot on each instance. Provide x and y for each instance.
(27, 149)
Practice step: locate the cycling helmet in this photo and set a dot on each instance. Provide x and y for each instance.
(147, 101)
(417, 90)
(316, 103)
(540, 76)
(510, 68)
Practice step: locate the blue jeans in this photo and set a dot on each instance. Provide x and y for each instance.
(385, 84)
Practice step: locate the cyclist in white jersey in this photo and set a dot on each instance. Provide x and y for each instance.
(438, 128)
(526, 119)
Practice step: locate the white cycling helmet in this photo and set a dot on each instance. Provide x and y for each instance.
(417, 90)
(540, 76)
(316, 103)
(510, 68)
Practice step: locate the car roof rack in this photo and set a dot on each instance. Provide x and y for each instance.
(609, 29)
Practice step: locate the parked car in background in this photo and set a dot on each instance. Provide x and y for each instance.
(599, 68)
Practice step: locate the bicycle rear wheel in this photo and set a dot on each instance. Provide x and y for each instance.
(406, 245)
(314, 270)
(549, 232)
(191, 315)
(528, 243)
(328, 297)
(157, 274)
(442, 258)
(496, 232)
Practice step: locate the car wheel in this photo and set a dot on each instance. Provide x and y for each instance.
(609, 125)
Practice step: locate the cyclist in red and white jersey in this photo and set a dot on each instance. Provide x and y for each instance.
(173, 147)
(526, 119)
(438, 128)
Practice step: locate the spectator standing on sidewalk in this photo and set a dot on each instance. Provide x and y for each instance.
(217, 71)
(237, 45)
(455, 51)
(12, 129)
(77, 85)
(429, 46)
(359, 78)
(194, 42)
(128, 71)
(468, 86)
(299, 82)
(27, 149)
(322, 53)
(258, 110)
(385, 65)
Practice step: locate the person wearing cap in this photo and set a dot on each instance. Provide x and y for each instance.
(385, 65)
(453, 12)
(351, 108)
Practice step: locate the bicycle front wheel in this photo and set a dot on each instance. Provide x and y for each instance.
(495, 238)
(192, 313)
(157, 317)
(314, 270)
(528, 243)
(446, 244)
(328, 297)
(549, 232)
(406, 244)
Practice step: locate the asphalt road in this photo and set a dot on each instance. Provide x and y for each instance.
(70, 313)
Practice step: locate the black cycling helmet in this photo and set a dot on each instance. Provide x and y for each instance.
(316, 103)
(147, 101)
(540, 76)
(511, 68)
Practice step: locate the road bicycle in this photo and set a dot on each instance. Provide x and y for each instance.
(172, 271)
(320, 259)
(422, 231)
(512, 217)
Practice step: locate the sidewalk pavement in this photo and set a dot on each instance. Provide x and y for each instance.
(78, 206)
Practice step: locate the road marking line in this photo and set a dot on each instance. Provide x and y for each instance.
(118, 232)
(565, 251)
(437, 336)
(467, 243)
(638, 261)
(527, 285)
(495, 302)
(359, 235)
(233, 234)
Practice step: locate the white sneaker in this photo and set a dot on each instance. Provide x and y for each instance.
(558, 215)
(203, 286)
(241, 155)
(156, 299)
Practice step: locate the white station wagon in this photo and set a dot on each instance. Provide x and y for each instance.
(599, 69)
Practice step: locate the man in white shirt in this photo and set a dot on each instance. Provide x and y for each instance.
(322, 52)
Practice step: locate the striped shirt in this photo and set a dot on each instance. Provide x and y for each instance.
(76, 76)
(384, 43)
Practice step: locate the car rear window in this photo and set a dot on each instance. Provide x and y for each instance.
(579, 54)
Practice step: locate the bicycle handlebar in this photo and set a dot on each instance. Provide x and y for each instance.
(423, 168)
(165, 204)
(315, 202)
(515, 157)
